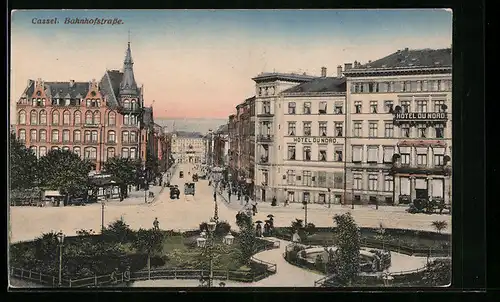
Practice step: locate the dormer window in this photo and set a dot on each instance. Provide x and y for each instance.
(67, 102)
(38, 93)
(93, 93)
(88, 102)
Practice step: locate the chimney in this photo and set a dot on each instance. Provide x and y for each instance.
(71, 83)
(406, 49)
(323, 72)
(347, 66)
(339, 71)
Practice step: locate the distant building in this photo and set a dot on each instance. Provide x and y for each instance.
(188, 147)
(221, 146)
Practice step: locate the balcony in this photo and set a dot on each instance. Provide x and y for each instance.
(410, 169)
(128, 110)
(265, 138)
(420, 117)
(90, 125)
(266, 113)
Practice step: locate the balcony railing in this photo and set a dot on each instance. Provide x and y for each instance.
(265, 138)
(135, 109)
(265, 114)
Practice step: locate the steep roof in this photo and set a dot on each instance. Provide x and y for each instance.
(413, 58)
(326, 84)
(66, 89)
(110, 85)
(223, 129)
(147, 116)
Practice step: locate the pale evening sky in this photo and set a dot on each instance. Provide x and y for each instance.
(199, 63)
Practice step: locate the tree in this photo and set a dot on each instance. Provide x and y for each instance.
(65, 171)
(118, 231)
(124, 170)
(23, 164)
(246, 239)
(348, 238)
(439, 225)
(150, 242)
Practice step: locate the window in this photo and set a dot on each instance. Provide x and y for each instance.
(438, 160)
(358, 181)
(388, 183)
(55, 148)
(321, 198)
(424, 85)
(419, 86)
(357, 129)
(77, 136)
(78, 118)
(373, 106)
(133, 104)
(389, 129)
(65, 148)
(406, 86)
(111, 119)
(42, 151)
(111, 153)
(55, 117)
(405, 158)
(422, 159)
(96, 118)
(68, 101)
(66, 118)
(125, 153)
(422, 131)
(322, 154)
(291, 196)
(323, 129)
(266, 107)
(357, 106)
(133, 153)
(421, 106)
(372, 182)
(291, 107)
(370, 87)
(90, 153)
(94, 136)
(77, 151)
(307, 128)
(22, 135)
(413, 85)
(338, 153)
(133, 120)
(373, 129)
(65, 136)
(43, 136)
(33, 135)
(125, 137)
(307, 178)
(55, 136)
(438, 106)
(306, 197)
(338, 109)
(88, 118)
(111, 137)
(357, 154)
(388, 153)
(405, 130)
(405, 106)
(439, 128)
(291, 152)
(388, 106)
(126, 104)
(34, 150)
(133, 137)
(33, 117)
(306, 153)
(126, 119)
(339, 129)
(291, 128)
(43, 117)
(322, 108)
(372, 154)
(307, 108)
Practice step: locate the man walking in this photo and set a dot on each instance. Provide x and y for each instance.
(229, 196)
(156, 224)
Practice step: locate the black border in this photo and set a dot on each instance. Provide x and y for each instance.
(469, 244)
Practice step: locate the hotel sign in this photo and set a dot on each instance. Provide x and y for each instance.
(421, 116)
(318, 140)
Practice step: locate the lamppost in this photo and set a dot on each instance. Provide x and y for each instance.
(202, 243)
(329, 197)
(60, 239)
(305, 202)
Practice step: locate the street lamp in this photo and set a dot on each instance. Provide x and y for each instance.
(60, 239)
(305, 202)
(202, 243)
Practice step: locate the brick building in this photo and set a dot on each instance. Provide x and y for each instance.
(96, 120)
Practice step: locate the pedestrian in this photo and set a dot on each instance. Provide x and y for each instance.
(156, 224)
(229, 196)
(286, 203)
(247, 199)
(254, 209)
(239, 195)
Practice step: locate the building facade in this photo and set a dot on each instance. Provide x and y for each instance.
(188, 147)
(221, 146)
(399, 127)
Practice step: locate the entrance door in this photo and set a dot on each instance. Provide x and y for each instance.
(338, 199)
(263, 194)
(421, 194)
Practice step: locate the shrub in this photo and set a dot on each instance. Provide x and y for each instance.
(438, 273)
(440, 225)
(222, 228)
(118, 231)
(310, 228)
(203, 227)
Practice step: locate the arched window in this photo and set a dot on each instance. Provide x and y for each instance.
(133, 120)
(66, 118)
(34, 150)
(65, 148)
(78, 118)
(126, 104)
(77, 136)
(125, 138)
(43, 135)
(133, 104)
(133, 137)
(22, 135)
(94, 136)
(33, 117)
(111, 137)
(133, 153)
(55, 117)
(112, 119)
(42, 151)
(125, 153)
(87, 136)
(54, 148)
(43, 117)
(77, 151)
(126, 119)
(88, 118)
(22, 117)
(111, 153)
(65, 136)
(55, 136)
(33, 135)
(90, 153)
(97, 118)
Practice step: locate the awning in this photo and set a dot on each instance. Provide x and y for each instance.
(52, 193)
(103, 181)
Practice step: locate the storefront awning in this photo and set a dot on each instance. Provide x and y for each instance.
(422, 143)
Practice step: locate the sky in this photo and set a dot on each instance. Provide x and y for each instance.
(199, 63)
